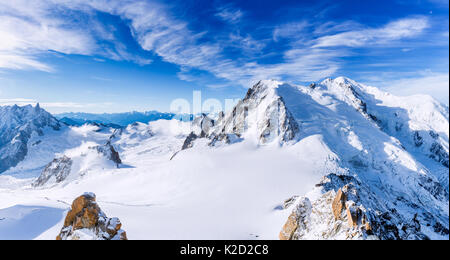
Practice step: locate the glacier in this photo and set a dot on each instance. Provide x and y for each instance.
(284, 152)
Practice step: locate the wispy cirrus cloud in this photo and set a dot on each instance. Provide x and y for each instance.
(419, 82)
(229, 14)
(27, 31)
(172, 39)
(309, 56)
(31, 29)
(290, 30)
(403, 28)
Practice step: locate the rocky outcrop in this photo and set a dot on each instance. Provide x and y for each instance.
(203, 126)
(262, 106)
(225, 138)
(86, 221)
(347, 209)
(439, 154)
(338, 204)
(350, 93)
(189, 141)
(265, 108)
(354, 213)
(297, 221)
(321, 219)
(289, 202)
(58, 169)
(109, 152)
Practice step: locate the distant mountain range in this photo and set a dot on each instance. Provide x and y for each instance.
(333, 160)
(114, 120)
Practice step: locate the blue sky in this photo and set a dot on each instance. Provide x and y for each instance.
(115, 56)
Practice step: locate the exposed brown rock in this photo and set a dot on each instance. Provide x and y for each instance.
(289, 202)
(289, 227)
(338, 204)
(85, 214)
(352, 216)
(297, 220)
(365, 222)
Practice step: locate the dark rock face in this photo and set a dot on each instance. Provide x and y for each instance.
(313, 85)
(377, 217)
(109, 152)
(227, 138)
(418, 140)
(188, 143)
(86, 220)
(59, 168)
(278, 121)
(439, 154)
(203, 125)
(437, 151)
(13, 153)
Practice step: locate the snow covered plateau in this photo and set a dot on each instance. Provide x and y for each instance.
(332, 160)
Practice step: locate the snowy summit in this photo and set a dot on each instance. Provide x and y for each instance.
(333, 160)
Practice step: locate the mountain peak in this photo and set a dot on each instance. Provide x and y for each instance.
(262, 113)
(17, 124)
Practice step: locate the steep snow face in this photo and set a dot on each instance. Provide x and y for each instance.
(281, 141)
(398, 183)
(419, 122)
(17, 125)
(77, 162)
(401, 179)
(262, 116)
(350, 121)
(41, 150)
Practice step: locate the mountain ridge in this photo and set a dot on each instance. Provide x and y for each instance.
(17, 125)
(368, 164)
(353, 126)
(120, 119)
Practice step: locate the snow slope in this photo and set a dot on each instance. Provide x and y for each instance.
(17, 126)
(231, 180)
(191, 197)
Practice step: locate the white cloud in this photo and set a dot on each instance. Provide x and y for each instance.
(28, 30)
(16, 101)
(229, 14)
(31, 28)
(156, 30)
(246, 44)
(170, 38)
(21, 61)
(403, 28)
(434, 84)
(290, 30)
(333, 27)
(52, 106)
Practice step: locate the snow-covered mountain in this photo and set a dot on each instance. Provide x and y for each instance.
(393, 150)
(17, 126)
(332, 160)
(117, 119)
